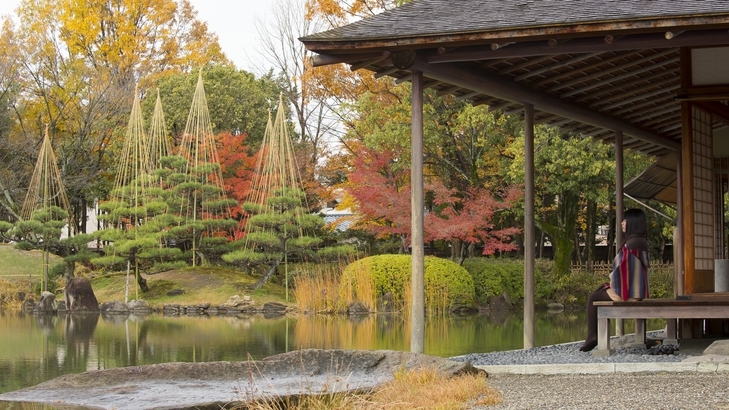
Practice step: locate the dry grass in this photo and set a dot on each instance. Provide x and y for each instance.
(13, 293)
(320, 289)
(418, 389)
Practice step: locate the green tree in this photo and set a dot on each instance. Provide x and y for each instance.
(278, 229)
(74, 66)
(237, 101)
(568, 170)
(464, 152)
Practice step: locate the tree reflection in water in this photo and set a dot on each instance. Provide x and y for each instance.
(37, 348)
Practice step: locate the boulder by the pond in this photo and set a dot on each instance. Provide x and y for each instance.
(80, 296)
(46, 304)
(226, 384)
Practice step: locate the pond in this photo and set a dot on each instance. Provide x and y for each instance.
(36, 348)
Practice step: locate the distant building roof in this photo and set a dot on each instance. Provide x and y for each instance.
(340, 218)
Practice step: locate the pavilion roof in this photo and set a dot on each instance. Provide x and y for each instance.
(469, 20)
(588, 66)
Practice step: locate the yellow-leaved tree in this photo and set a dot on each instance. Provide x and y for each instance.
(76, 64)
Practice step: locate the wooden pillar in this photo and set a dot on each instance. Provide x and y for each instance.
(529, 230)
(619, 182)
(417, 335)
(678, 242)
(687, 177)
(687, 200)
(619, 208)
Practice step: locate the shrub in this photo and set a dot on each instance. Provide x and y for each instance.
(494, 276)
(446, 283)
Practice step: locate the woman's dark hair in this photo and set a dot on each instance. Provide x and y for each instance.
(635, 222)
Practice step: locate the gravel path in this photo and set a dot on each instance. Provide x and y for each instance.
(666, 391)
(614, 391)
(569, 353)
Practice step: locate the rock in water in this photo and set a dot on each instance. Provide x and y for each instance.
(80, 296)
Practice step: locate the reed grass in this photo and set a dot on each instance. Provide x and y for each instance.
(321, 288)
(416, 389)
(13, 293)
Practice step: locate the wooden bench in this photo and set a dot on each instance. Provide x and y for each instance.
(699, 306)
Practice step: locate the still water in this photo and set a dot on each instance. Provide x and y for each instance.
(34, 349)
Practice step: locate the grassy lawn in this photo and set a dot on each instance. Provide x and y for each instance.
(213, 285)
(22, 264)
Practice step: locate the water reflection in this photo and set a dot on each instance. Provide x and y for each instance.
(37, 348)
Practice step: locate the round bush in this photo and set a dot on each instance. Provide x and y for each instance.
(446, 283)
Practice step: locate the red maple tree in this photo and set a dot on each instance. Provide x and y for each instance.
(238, 169)
(382, 192)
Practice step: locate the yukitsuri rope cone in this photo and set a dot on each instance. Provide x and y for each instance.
(46, 185)
(46, 193)
(126, 210)
(276, 190)
(133, 172)
(205, 200)
(159, 143)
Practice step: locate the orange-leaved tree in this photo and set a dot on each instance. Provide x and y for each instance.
(380, 187)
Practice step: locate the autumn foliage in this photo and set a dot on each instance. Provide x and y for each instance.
(237, 168)
(382, 193)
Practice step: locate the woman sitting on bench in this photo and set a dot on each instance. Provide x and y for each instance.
(629, 278)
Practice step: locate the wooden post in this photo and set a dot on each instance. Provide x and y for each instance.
(417, 336)
(687, 199)
(687, 177)
(529, 231)
(678, 244)
(619, 208)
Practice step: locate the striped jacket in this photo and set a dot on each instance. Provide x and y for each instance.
(629, 278)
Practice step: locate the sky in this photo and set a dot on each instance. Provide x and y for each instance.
(232, 20)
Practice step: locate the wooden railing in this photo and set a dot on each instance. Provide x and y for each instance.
(604, 267)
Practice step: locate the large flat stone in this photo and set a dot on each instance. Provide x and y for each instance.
(209, 385)
(718, 347)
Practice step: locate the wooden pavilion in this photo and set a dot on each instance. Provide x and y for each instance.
(645, 75)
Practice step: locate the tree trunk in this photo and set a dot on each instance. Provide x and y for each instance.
(69, 271)
(562, 234)
(142, 283)
(266, 276)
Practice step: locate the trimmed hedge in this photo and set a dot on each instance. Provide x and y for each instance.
(494, 276)
(446, 283)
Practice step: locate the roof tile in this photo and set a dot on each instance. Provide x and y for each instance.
(444, 17)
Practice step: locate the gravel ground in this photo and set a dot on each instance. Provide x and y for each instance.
(667, 391)
(614, 391)
(569, 353)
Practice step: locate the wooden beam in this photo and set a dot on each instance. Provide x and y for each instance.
(588, 67)
(631, 96)
(585, 45)
(467, 95)
(631, 85)
(703, 93)
(555, 66)
(328, 59)
(386, 72)
(669, 108)
(498, 87)
(524, 64)
(354, 67)
(629, 67)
